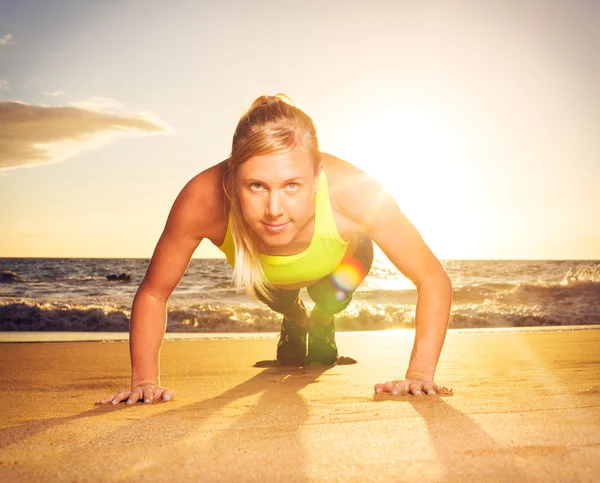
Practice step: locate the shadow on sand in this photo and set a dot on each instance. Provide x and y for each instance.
(181, 430)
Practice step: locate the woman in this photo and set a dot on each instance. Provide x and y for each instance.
(288, 216)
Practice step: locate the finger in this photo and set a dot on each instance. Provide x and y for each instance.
(107, 399)
(157, 392)
(385, 386)
(415, 388)
(120, 396)
(428, 388)
(400, 388)
(134, 396)
(389, 385)
(148, 391)
(166, 395)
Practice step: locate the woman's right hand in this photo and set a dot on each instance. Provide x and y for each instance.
(146, 392)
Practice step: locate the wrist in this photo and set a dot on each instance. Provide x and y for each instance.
(420, 374)
(151, 381)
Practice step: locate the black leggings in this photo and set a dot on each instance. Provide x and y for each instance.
(332, 293)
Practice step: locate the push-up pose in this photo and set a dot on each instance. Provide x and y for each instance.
(288, 216)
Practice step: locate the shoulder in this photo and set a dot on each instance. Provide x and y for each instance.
(354, 193)
(199, 210)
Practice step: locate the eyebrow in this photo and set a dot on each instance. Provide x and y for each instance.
(254, 180)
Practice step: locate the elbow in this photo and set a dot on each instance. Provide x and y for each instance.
(438, 279)
(439, 287)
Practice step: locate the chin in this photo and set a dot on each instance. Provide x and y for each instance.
(277, 240)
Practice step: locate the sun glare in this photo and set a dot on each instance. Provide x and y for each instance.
(421, 161)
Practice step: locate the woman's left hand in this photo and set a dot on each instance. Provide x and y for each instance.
(416, 387)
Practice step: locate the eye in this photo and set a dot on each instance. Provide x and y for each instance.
(256, 186)
(293, 186)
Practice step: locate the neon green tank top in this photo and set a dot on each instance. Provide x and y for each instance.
(322, 256)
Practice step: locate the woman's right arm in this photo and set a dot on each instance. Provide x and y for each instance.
(191, 219)
(149, 311)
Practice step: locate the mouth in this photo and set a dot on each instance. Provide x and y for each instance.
(275, 228)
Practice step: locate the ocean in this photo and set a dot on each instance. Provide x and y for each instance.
(74, 295)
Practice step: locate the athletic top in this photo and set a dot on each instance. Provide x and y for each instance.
(322, 256)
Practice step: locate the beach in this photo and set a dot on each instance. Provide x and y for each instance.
(525, 407)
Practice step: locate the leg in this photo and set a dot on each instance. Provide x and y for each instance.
(287, 303)
(291, 348)
(331, 295)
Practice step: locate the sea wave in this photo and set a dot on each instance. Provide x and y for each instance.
(579, 291)
(524, 305)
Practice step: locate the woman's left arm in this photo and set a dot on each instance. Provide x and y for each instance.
(391, 230)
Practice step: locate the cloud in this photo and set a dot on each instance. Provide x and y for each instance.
(98, 104)
(4, 85)
(54, 93)
(7, 39)
(33, 135)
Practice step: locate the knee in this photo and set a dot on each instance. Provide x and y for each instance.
(332, 300)
(365, 251)
(285, 302)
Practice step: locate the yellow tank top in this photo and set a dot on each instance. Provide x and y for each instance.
(322, 256)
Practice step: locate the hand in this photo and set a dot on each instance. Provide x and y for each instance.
(416, 387)
(145, 391)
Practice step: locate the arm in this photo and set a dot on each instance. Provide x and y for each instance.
(389, 228)
(192, 218)
(149, 312)
(405, 248)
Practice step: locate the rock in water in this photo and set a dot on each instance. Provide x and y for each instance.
(115, 278)
(7, 277)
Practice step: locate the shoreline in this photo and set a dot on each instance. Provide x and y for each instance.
(33, 337)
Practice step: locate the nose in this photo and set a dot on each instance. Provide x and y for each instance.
(274, 205)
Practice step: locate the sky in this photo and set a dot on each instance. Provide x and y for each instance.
(482, 118)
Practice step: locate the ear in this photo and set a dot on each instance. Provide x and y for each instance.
(316, 180)
(319, 169)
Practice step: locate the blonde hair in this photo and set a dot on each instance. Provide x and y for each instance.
(271, 124)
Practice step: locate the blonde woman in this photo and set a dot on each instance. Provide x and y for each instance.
(288, 216)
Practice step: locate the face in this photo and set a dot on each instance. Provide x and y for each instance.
(277, 195)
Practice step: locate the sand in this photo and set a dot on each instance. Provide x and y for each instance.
(525, 407)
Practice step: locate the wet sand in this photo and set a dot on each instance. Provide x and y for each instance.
(526, 407)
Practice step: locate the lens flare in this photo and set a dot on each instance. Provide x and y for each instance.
(348, 275)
